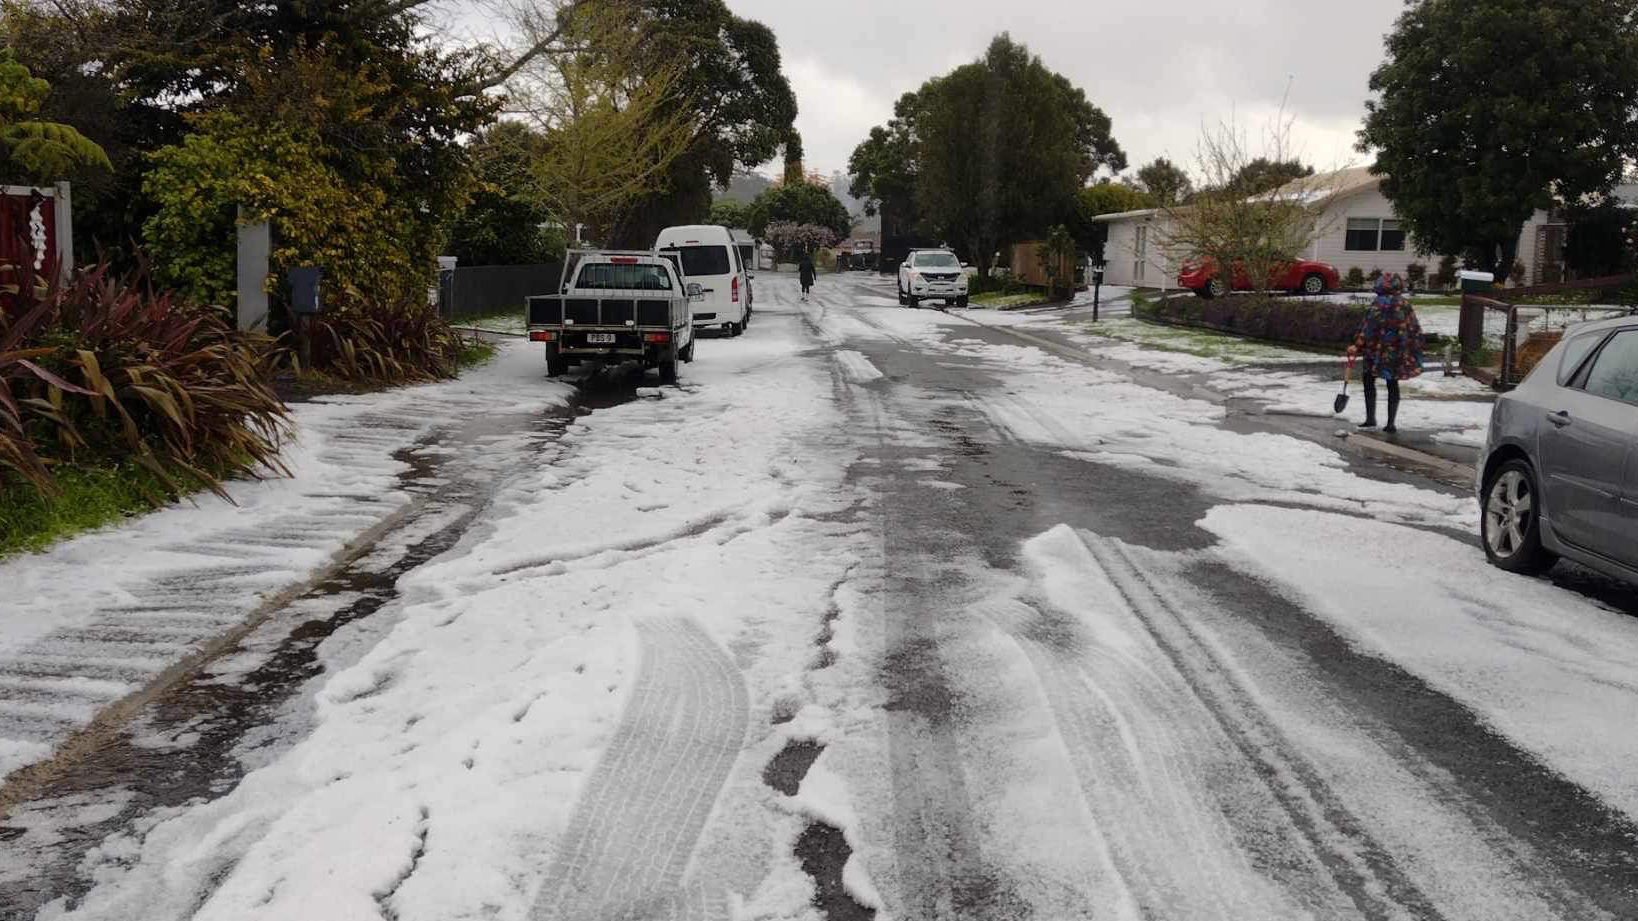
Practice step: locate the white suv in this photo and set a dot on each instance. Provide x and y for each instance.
(932, 274)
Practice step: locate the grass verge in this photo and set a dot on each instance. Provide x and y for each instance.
(999, 300)
(99, 494)
(506, 321)
(87, 498)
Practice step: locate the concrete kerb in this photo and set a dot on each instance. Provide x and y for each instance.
(1437, 468)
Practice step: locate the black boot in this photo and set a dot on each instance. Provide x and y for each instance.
(1393, 406)
(1369, 383)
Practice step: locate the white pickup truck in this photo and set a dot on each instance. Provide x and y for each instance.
(615, 307)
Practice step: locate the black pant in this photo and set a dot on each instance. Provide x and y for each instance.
(1370, 399)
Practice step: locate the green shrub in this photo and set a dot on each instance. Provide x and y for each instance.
(104, 368)
(994, 284)
(1355, 277)
(1446, 276)
(1374, 276)
(384, 342)
(1417, 274)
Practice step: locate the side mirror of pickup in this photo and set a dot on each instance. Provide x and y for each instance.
(695, 292)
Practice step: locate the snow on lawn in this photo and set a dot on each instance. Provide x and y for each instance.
(1101, 416)
(1546, 668)
(574, 687)
(200, 566)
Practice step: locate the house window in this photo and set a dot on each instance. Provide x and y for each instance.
(1369, 234)
(1362, 234)
(1393, 239)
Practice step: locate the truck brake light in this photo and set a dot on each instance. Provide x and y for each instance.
(540, 335)
(656, 337)
(623, 260)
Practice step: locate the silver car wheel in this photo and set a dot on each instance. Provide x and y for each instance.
(1507, 513)
(1314, 284)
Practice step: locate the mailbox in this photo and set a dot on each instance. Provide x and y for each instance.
(1097, 274)
(305, 290)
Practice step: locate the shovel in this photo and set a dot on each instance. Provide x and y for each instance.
(1342, 398)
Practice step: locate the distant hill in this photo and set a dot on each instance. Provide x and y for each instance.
(745, 187)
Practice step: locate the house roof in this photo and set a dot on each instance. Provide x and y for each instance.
(1331, 185)
(1125, 215)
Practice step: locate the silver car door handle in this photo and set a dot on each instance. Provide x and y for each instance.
(1560, 418)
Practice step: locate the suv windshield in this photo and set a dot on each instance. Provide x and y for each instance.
(625, 277)
(936, 261)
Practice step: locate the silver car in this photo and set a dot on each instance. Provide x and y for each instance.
(1559, 473)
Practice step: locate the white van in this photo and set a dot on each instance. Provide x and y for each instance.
(711, 259)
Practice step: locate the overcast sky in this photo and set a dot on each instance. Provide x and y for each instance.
(1157, 67)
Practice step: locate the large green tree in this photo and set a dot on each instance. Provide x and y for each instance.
(1103, 198)
(1488, 109)
(389, 103)
(729, 213)
(744, 105)
(1264, 174)
(883, 169)
(32, 150)
(1001, 147)
(505, 224)
(799, 203)
(1165, 181)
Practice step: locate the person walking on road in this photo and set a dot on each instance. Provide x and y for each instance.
(1390, 343)
(805, 273)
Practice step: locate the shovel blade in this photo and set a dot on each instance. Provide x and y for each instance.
(1341, 403)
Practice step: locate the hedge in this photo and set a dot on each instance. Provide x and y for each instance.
(1324, 324)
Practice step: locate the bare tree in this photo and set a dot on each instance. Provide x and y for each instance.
(1256, 235)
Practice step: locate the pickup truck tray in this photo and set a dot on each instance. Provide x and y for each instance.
(578, 310)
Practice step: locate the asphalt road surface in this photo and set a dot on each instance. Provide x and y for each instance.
(879, 614)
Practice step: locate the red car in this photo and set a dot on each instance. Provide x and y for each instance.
(1304, 276)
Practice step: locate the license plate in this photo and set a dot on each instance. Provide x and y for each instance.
(600, 338)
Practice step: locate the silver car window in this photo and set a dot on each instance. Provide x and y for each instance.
(1614, 372)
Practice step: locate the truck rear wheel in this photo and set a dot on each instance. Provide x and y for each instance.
(556, 364)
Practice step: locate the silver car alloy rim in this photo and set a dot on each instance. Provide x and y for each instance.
(1507, 514)
(1314, 285)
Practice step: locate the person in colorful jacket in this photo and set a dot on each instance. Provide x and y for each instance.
(1390, 343)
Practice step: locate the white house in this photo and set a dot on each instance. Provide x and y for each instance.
(1357, 228)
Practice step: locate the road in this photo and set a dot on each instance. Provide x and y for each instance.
(881, 613)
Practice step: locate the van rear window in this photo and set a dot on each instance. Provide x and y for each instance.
(624, 277)
(704, 260)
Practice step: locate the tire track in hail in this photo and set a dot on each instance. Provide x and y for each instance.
(1304, 837)
(627, 849)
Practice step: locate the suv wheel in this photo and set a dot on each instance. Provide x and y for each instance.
(1511, 525)
(1216, 288)
(911, 301)
(903, 302)
(1313, 284)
